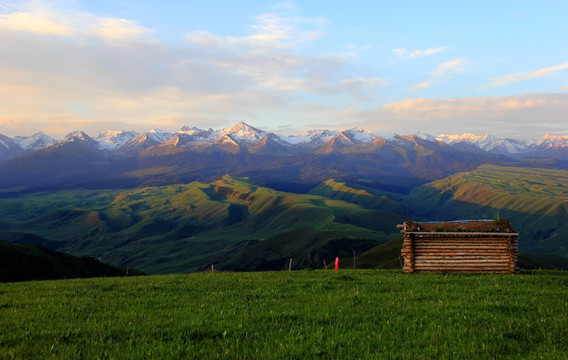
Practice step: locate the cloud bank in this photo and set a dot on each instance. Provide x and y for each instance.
(73, 66)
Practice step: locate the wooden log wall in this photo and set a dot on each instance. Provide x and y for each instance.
(460, 252)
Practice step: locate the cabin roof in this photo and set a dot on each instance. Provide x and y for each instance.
(462, 227)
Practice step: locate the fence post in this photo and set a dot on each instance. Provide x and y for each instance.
(353, 259)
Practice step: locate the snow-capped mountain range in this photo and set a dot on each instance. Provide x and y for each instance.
(244, 136)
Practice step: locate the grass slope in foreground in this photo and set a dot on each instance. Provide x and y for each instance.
(280, 315)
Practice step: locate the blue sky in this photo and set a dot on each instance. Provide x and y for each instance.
(405, 67)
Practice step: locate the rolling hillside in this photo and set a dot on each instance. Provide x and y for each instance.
(231, 223)
(238, 224)
(535, 200)
(31, 262)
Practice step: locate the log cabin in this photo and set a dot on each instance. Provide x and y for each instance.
(468, 246)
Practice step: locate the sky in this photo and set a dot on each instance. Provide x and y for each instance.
(497, 67)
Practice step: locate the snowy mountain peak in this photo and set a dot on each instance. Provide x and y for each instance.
(403, 139)
(486, 142)
(242, 129)
(553, 141)
(359, 135)
(158, 135)
(310, 138)
(342, 138)
(189, 131)
(35, 142)
(466, 137)
(8, 145)
(77, 135)
(426, 136)
(114, 139)
(244, 133)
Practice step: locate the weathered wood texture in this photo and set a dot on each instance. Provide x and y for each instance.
(467, 252)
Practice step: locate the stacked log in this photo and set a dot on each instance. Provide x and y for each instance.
(460, 252)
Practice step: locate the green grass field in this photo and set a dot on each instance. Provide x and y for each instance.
(289, 315)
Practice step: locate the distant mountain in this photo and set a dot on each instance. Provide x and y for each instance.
(37, 141)
(8, 147)
(293, 163)
(74, 158)
(244, 137)
(310, 140)
(32, 262)
(113, 140)
(345, 139)
(11, 147)
(243, 134)
(547, 146)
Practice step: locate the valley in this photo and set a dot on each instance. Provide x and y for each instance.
(238, 224)
(244, 199)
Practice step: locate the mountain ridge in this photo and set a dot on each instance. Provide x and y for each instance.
(243, 136)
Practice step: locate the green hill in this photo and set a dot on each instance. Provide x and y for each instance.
(31, 262)
(238, 224)
(384, 256)
(233, 224)
(535, 200)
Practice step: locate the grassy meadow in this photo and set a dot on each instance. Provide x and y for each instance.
(381, 314)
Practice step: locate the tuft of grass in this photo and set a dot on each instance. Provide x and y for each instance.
(282, 315)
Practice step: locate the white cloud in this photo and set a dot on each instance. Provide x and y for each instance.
(423, 85)
(271, 31)
(524, 76)
(372, 82)
(42, 19)
(443, 70)
(454, 65)
(115, 30)
(405, 54)
(34, 22)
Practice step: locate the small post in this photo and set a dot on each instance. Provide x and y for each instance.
(324, 264)
(353, 259)
(290, 265)
(212, 268)
(126, 272)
